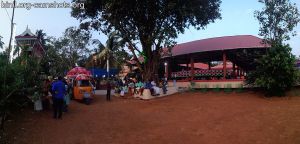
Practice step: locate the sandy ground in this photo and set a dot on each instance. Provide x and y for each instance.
(185, 118)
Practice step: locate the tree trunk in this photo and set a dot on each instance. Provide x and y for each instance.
(151, 66)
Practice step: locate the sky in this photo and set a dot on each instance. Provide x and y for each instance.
(237, 19)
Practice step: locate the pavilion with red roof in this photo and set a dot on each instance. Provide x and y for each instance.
(192, 61)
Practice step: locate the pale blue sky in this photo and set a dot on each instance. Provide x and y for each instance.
(237, 19)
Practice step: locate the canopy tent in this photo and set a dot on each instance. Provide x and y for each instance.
(77, 71)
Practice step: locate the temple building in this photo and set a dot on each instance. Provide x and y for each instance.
(28, 43)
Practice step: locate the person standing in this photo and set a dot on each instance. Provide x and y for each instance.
(108, 87)
(59, 91)
(164, 85)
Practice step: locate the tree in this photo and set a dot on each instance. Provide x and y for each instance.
(42, 37)
(55, 61)
(275, 71)
(1, 43)
(65, 52)
(277, 20)
(112, 53)
(73, 45)
(153, 24)
(22, 75)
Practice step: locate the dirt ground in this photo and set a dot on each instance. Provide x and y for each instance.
(185, 118)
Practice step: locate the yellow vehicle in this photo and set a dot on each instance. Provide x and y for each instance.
(83, 89)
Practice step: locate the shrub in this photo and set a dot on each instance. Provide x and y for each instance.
(275, 72)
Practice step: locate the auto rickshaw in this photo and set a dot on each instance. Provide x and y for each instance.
(83, 89)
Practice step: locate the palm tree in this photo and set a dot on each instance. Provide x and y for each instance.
(112, 53)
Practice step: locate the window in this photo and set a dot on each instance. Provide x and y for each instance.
(83, 83)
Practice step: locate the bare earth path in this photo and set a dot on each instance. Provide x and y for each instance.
(186, 118)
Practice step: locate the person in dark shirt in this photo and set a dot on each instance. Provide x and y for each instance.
(59, 90)
(108, 87)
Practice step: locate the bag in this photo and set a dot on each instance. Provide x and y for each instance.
(67, 99)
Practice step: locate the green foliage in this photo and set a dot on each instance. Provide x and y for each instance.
(152, 23)
(277, 19)
(1, 43)
(113, 51)
(22, 81)
(65, 52)
(54, 62)
(276, 71)
(73, 45)
(42, 37)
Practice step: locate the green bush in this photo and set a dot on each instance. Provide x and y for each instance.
(18, 82)
(275, 72)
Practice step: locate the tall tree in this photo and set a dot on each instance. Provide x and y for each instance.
(112, 53)
(54, 61)
(1, 43)
(42, 37)
(277, 20)
(73, 45)
(276, 71)
(153, 24)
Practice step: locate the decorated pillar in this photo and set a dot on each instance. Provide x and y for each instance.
(224, 65)
(169, 69)
(233, 69)
(192, 68)
(166, 69)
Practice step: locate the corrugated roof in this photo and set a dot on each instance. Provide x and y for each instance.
(218, 43)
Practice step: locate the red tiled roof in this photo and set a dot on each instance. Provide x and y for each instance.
(218, 43)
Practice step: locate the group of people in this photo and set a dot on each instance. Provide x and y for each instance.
(135, 87)
(60, 91)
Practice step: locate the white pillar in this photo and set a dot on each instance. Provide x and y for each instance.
(107, 67)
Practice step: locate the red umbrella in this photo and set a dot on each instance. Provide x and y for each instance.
(78, 70)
